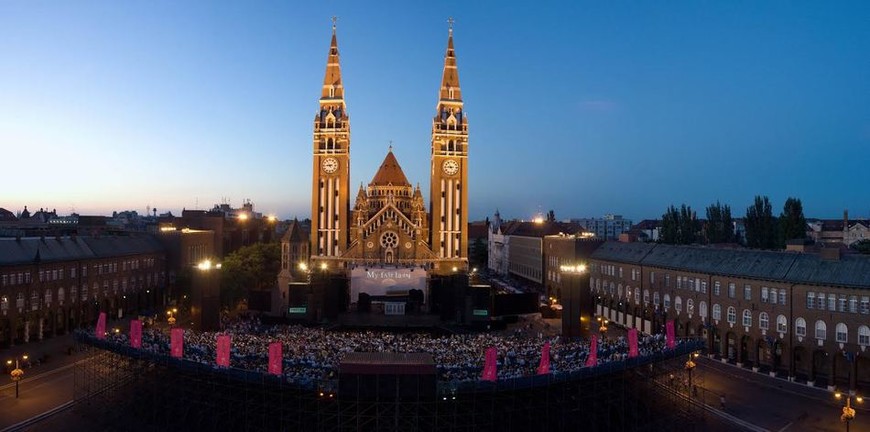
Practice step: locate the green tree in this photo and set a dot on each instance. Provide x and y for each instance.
(719, 227)
(679, 226)
(479, 253)
(760, 224)
(862, 246)
(792, 223)
(253, 267)
(670, 226)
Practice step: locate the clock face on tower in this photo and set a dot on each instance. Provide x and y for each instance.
(329, 165)
(450, 167)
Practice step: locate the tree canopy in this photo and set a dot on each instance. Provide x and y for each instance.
(679, 226)
(719, 227)
(249, 268)
(761, 225)
(792, 223)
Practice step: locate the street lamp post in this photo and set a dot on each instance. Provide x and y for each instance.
(848, 412)
(690, 366)
(16, 373)
(603, 326)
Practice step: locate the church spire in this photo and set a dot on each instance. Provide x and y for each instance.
(450, 77)
(332, 86)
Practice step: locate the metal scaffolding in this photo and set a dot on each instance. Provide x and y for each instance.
(127, 389)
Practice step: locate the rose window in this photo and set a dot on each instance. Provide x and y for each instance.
(389, 240)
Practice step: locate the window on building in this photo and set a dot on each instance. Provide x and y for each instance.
(716, 288)
(656, 298)
(4, 304)
(48, 296)
(821, 330)
(732, 290)
(865, 305)
(800, 327)
(652, 277)
(820, 301)
(832, 302)
(842, 333)
(747, 318)
(702, 309)
(19, 300)
(679, 282)
(690, 306)
(668, 280)
(60, 295)
(667, 301)
(811, 300)
(853, 304)
(747, 292)
(620, 272)
(781, 296)
(704, 287)
(678, 304)
(732, 314)
(637, 296)
(763, 321)
(764, 293)
(841, 303)
(717, 312)
(73, 294)
(864, 335)
(34, 300)
(781, 324)
(646, 296)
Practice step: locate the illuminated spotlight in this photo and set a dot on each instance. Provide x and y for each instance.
(243, 216)
(272, 218)
(321, 394)
(303, 266)
(204, 265)
(323, 266)
(455, 269)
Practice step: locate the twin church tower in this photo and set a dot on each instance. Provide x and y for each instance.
(389, 224)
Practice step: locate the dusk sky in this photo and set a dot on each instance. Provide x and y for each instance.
(585, 108)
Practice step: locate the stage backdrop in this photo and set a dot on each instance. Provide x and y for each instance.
(382, 283)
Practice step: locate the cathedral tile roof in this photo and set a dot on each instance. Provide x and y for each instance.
(390, 173)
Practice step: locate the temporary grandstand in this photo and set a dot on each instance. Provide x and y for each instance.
(123, 388)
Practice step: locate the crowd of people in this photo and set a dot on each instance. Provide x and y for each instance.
(312, 354)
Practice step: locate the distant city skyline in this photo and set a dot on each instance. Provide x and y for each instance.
(582, 108)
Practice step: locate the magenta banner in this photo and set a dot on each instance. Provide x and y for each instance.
(544, 367)
(223, 350)
(671, 341)
(489, 368)
(176, 343)
(100, 331)
(136, 334)
(632, 343)
(592, 360)
(275, 358)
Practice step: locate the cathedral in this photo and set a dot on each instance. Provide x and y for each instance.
(389, 224)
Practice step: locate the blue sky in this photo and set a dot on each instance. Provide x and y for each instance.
(585, 108)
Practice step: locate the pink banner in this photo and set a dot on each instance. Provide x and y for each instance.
(671, 340)
(136, 334)
(632, 343)
(275, 358)
(544, 367)
(489, 368)
(176, 342)
(592, 360)
(100, 331)
(223, 350)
